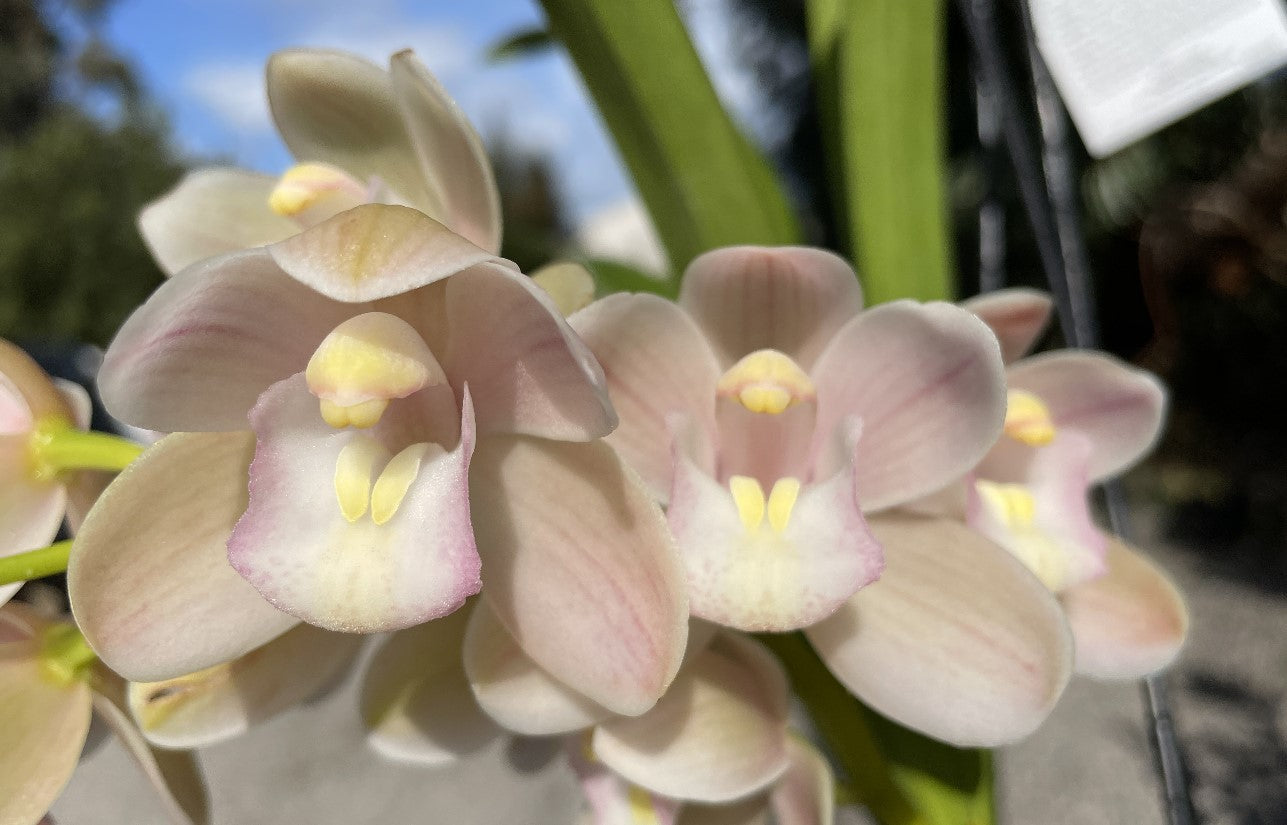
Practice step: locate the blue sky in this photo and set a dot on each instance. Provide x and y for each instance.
(203, 60)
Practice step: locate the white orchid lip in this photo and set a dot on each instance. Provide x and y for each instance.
(364, 363)
(767, 381)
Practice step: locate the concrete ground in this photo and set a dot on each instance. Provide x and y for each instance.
(1090, 764)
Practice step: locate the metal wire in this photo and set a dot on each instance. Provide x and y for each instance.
(1049, 194)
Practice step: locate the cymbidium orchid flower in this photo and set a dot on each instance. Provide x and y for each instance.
(717, 736)
(1074, 419)
(396, 377)
(767, 376)
(361, 135)
(50, 685)
(40, 418)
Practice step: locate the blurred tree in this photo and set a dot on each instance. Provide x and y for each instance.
(71, 182)
(536, 229)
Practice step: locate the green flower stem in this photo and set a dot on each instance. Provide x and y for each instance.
(34, 564)
(841, 720)
(59, 448)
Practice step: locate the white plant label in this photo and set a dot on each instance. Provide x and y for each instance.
(1126, 68)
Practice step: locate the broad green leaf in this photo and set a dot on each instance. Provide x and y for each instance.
(522, 43)
(879, 72)
(703, 182)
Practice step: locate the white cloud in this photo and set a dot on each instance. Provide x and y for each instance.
(234, 92)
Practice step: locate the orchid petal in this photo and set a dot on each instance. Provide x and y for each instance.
(416, 700)
(1130, 622)
(222, 702)
(374, 251)
(791, 299)
(717, 735)
(514, 690)
(337, 108)
(175, 776)
(44, 726)
(597, 600)
(657, 363)
(31, 510)
(926, 382)
(27, 394)
(149, 578)
(357, 573)
(528, 371)
(805, 795)
(77, 401)
(211, 212)
(768, 576)
(957, 640)
(569, 285)
(1016, 316)
(451, 155)
(1118, 407)
(198, 354)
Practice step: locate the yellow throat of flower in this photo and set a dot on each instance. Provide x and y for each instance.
(1014, 508)
(753, 507)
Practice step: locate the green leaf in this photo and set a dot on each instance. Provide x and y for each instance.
(949, 786)
(703, 182)
(523, 43)
(614, 276)
(879, 73)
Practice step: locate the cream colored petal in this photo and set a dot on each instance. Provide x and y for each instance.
(336, 107)
(1016, 316)
(719, 733)
(514, 690)
(149, 579)
(416, 701)
(452, 157)
(1128, 623)
(374, 251)
(210, 212)
(42, 730)
(956, 640)
(657, 363)
(598, 600)
(791, 299)
(806, 793)
(223, 701)
(569, 285)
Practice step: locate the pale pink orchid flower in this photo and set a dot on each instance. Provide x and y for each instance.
(781, 425)
(48, 691)
(1075, 419)
(718, 735)
(35, 498)
(419, 408)
(361, 135)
